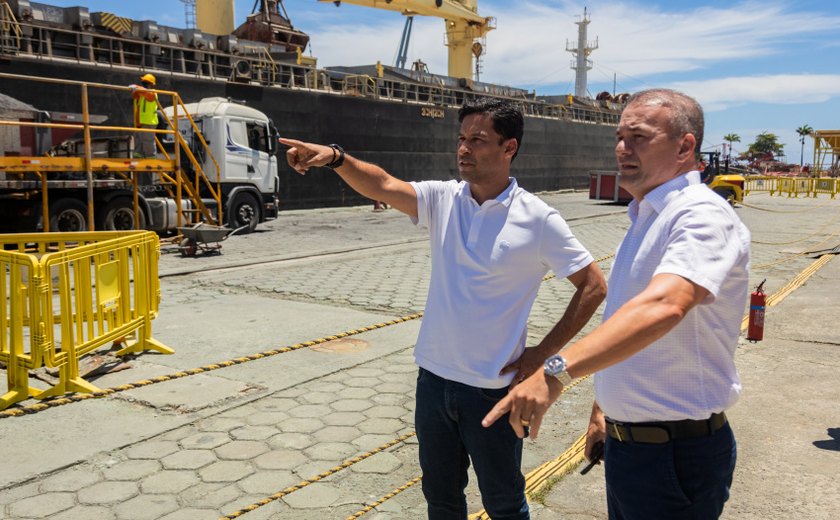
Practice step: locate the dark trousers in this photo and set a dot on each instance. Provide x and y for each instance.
(686, 479)
(448, 421)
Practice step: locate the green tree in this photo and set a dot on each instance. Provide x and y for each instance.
(803, 131)
(731, 138)
(766, 143)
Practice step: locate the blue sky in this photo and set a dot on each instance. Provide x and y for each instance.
(755, 66)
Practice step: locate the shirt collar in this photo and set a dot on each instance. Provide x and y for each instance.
(505, 198)
(660, 196)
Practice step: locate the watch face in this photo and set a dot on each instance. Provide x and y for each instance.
(555, 364)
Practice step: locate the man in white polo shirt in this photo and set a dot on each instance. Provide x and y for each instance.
(492, 242)
(665, 352)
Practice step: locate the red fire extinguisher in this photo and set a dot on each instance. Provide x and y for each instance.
(755, 332)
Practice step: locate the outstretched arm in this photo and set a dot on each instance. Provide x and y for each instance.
(366, 178)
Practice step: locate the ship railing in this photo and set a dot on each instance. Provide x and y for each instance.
(253, 64)
(10, 31)
(128, 170)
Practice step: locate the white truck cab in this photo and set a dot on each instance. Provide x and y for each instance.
(244, 143)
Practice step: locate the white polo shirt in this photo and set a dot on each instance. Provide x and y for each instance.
(684, 228)
(487, 265)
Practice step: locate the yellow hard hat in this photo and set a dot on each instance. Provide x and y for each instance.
(149, 78)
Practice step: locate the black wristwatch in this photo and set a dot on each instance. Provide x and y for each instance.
(556, 366)
(338, 153)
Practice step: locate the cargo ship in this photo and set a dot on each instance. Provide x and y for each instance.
(404, 119)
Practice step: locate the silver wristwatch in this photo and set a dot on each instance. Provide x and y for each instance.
(556, 366)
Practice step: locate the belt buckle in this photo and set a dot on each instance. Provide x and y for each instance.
(617, 432)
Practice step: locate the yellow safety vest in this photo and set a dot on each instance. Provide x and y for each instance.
(145, 111)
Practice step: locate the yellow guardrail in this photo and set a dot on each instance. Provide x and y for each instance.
(68, 294)
(792, 186)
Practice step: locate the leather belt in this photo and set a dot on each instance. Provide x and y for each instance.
(665, 431)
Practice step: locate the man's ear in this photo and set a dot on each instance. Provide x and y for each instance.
(511, 146)
(687, 145)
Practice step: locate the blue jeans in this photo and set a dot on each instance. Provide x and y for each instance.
(686, 479)
(448, 421)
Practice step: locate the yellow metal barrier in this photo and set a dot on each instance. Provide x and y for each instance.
(84, 291)
(755, 184)
(826, 185)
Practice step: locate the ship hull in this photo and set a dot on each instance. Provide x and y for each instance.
(409, 140)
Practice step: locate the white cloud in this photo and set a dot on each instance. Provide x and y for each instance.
(635, 40)
(780, 89)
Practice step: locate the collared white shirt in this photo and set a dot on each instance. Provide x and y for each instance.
(684, 228)
(487, 265)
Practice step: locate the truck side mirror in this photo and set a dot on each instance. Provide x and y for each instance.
(273, 146)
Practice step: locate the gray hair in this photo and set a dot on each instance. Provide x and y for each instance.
(686, 112)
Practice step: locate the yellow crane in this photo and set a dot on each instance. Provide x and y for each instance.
(464, 26)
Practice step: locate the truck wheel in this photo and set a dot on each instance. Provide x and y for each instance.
(118, 215)
(728, 194)
(244, 210)
(68, 215)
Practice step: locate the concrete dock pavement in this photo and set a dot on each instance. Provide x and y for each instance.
(209, 445)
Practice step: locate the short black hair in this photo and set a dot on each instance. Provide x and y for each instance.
(507, 118)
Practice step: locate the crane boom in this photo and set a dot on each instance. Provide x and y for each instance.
(463, 25)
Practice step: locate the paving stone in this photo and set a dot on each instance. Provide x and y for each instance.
(343, 418)
(403, 368)
(334, 451)
(7, 496)
(179, 433)
(107, 493)
(147, 507)
(309, 411)
(350, 405)
(337, 434)
(294, 392)
(192, 514)
(395, 388)
(151, 449)
(268, 482)
(131, 470)
(301, 425)
(368, 442)
(364, 372)
(266, 418)
(85, 513)
(209, 494)
(72, 479)
(365, 382)
(280, 459)
(331, 385)
(388, 412)
(241, 450)
(315, 496)
(293, 440)
(225, 471)
(382, 463)
(357, 393)
(42, 506)
(236, 413)
(254, 433)
(273, 404)
(189, 459)
(317, 397)
(390, 399)
(205, 440)
(380, 425)
(169, 482)
(220, 424)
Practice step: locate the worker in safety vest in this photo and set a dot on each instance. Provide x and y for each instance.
(145, 115)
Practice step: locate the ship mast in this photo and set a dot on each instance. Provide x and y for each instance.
(582, 64)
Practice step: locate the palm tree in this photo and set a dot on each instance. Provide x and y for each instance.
(803, 131)
(731, 138)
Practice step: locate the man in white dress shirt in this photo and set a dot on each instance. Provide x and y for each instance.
(663, 357)
(491, 244)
